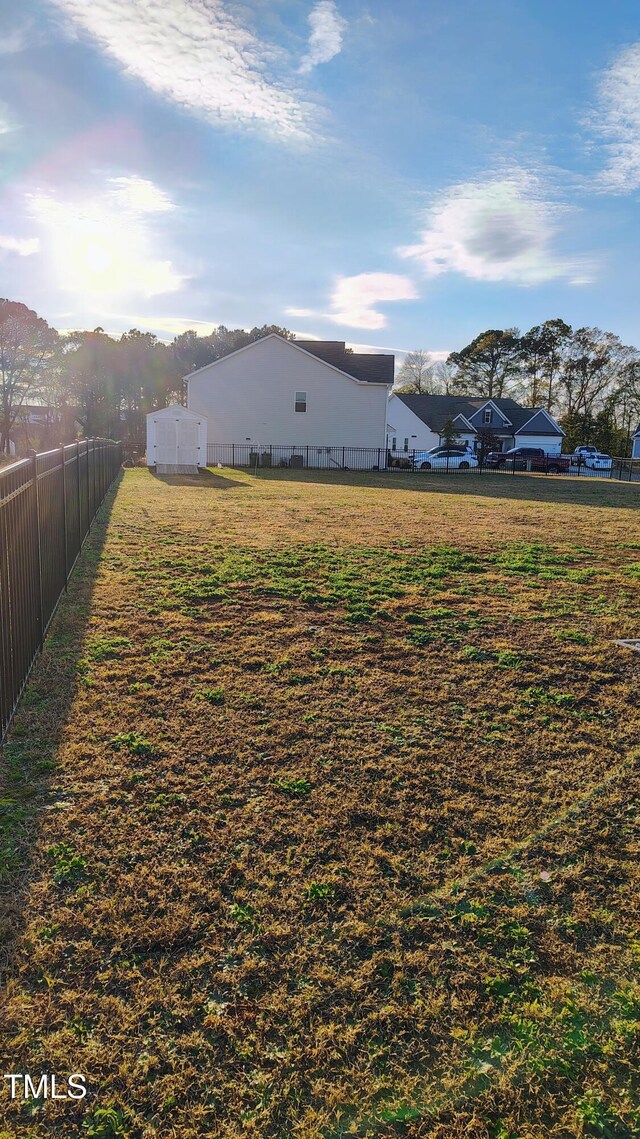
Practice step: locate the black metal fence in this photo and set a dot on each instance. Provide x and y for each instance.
(312, 457)
(47, 505)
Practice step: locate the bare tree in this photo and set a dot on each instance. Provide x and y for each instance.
(445, 377)
(593, 368)
(27, 345)
(416, 373)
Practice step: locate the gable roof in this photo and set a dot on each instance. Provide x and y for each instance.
(434, 410)
(174, 411)
(369, 368)
(539, 423)
(505, 414)
(636, 434)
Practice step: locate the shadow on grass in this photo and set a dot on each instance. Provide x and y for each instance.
(204, 480)
(27, 756)
(557, 489)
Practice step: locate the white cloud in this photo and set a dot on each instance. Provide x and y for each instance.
(198, 55)
(140, 196)
(19, 37)
(618, 121)
(353, 299)
(325, 40)
(103, 246)
(7, 123)
(500, 229)
(383, 348)
(23, 246)
(171, 325)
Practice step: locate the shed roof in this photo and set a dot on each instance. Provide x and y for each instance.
(174, 411)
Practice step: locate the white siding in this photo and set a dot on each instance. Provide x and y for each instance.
(176, 438)
(250, 394)
(552, 444)
(407, 425)
(636, 447)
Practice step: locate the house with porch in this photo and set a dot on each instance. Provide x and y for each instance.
(416, 422)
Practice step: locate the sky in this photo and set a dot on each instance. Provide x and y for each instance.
(397, 175)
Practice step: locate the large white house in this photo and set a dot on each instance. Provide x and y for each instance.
(294, 394)
(416, 422)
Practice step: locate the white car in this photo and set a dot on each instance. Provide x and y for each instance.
(445, 458)
(598, 461)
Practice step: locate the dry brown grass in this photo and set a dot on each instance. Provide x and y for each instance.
(338, 836)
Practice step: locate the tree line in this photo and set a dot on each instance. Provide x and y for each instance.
(93, 384)
(586, 378)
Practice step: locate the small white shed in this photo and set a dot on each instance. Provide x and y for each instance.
(176, 440)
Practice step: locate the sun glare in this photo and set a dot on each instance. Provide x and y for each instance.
(97, 259)
(103, 246)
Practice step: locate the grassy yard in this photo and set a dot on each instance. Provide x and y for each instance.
(319, 814)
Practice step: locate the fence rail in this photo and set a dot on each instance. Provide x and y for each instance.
(47, 505)
(312, 457)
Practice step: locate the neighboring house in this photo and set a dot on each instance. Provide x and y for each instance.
(416, 422)
(36, 426)
(294, 393)
(635, 445)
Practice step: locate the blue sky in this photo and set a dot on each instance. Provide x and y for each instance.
(398, 175)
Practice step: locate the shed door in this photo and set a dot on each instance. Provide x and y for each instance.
(188, 442)
(166, 442)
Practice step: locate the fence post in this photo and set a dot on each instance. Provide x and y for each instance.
(86, 451)
(630, 469)
(233, 455)
(93, 454)
(307, 462)
(34, 492)
(78, 493)
(64, 517)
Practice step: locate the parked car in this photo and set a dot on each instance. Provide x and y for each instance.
(528, 458)
(597, 461)
(581, 454)
(445, 458)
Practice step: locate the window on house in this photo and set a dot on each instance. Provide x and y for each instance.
(406, 443)
(301, 401)
(487, 416)
(394, 442)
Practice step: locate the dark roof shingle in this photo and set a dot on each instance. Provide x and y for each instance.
(434, 410)
(374, 367)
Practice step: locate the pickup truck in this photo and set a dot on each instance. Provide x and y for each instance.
(528, 458)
